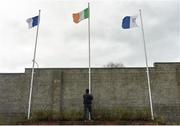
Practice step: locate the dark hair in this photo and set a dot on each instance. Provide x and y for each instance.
(87, 91)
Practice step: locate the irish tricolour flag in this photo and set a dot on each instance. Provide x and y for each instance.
(77, 17)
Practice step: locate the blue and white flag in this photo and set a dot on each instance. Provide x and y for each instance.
(129, 22)
(32, 22)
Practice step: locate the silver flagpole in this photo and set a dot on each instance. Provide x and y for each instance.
(89, 50)
(32, 74)
(89, 54)
(147, 69)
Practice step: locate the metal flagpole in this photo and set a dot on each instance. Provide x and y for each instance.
(89, 50)
(32, 74)
(89, 54)
(147, 69)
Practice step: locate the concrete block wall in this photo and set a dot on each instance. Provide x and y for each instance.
(13, 92)
(61, 89)
(166, 91)
(120, 87)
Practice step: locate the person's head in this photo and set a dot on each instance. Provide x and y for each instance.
(87, 91)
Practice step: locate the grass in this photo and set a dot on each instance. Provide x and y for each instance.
(98, 114)
(121, 114)
(160, 120)
(42, 115)
(115, 114)
(48, 115)
(2, 120)
(71, 115)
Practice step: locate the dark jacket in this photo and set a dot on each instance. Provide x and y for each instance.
(87, 98)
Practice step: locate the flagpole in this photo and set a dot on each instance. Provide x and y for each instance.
(89, 55)
(89, 49)
(147, 69)
(32, 74)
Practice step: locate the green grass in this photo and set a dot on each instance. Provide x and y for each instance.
(71, 115)
(160, 120)
(98, 114)
(121, 114)
(48, 115)
(2, 120)
(115, 114)
(42, 115)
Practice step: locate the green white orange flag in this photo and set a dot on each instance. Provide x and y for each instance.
(77, 17)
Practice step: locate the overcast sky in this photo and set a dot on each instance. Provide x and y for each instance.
(62, 43)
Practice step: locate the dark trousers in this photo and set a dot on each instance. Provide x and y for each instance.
(87, 110)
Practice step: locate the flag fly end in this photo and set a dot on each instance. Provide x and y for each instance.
(129, 22)
(77, 17)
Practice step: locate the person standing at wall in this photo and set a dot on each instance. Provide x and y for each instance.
(87, 101)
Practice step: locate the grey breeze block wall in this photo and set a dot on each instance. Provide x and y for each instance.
(61, 89)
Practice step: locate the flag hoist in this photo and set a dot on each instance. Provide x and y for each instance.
(32, 22)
